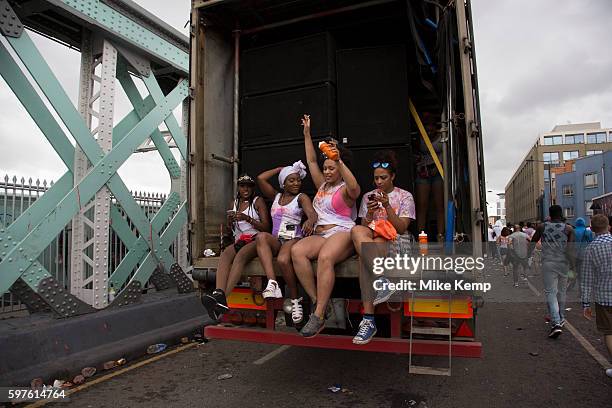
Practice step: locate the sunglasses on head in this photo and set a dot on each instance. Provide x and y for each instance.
(384, 165)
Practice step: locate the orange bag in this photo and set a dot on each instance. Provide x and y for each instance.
(384, 229)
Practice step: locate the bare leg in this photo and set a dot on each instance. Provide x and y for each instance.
(337, 248)
(608, 340)
(361, 234)
(225, 263)
(284, 262)
(302, 254)
(243, 257)
(422, 204)
(437, 192)
(267, 247)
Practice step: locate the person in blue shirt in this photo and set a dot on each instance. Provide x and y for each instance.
(583, 237)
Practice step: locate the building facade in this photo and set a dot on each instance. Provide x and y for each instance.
(576, 190)
(533, 187)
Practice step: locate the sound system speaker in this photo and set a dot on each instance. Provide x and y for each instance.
(289, 64)
(256, 159)
(373, 96)
(275, 117)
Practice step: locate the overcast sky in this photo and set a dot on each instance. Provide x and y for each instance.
(540, 63)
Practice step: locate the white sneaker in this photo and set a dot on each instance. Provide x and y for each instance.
(297, 312)
(272, 290)
(609, 372)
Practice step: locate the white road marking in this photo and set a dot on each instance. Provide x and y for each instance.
(271, 355)
(583, 342)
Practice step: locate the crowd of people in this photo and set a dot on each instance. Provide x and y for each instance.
(303, 230)
(565, 254)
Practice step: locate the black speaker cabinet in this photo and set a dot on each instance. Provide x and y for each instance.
(373, 96)
(290, 64)
(256, 159)
(275, 117)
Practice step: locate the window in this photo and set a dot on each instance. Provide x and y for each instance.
(571, 139)
(590, 180)
(553, 140)
(546, 174)
(568, 190)
(571, 155)
(596, 137)
(592, 152)
(587, 207)
(568, 212)
(551, 157)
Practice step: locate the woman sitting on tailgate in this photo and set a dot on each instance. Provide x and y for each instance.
(331, 242)
(287, 211)
(385, 212)
(248, 216)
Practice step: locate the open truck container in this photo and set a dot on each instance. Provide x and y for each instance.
(257, 66)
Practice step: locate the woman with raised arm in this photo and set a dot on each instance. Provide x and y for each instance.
(331, 241)
(247, 218)
(385, 212)
(288, 209)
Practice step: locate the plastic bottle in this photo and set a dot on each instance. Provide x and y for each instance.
(111, 293)
(156, 348)
(423, 243)
(326, 148)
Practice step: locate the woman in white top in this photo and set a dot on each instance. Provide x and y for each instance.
(331, 242)
(248, 216)
(288, 209)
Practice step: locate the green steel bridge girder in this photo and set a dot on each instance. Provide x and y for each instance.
(50, 86)
(141, 110)
(21, 258)
(140, 246)
(97, 13)
(146, 268)
(39, 111)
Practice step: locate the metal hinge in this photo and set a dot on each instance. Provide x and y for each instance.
(478, 215)
(474, 129)
(467, 45)
(192, 92)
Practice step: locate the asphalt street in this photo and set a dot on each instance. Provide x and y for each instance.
(520, 367)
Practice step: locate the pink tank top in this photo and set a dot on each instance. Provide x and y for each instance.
(331, 208)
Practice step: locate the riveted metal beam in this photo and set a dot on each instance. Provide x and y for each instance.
(115, 24)
(10, 25)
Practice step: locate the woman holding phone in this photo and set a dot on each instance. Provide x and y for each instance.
(331, 242)
(385, 212)
(247, 217)
(288, 209)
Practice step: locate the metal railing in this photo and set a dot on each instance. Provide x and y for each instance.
(18, 194)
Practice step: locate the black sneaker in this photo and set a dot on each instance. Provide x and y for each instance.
(562, 323)
(555, 332)
(215, 304)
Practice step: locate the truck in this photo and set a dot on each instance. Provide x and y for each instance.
(377, 74)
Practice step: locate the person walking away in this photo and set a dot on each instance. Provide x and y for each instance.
(491, 244)
(502, 246)
(519, 247)
(529, 230)
(557, 258)
(596, 280)
(583, 237)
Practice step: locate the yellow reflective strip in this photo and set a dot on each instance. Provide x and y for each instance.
(425, 137)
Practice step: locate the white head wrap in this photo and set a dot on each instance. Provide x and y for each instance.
(297, 168)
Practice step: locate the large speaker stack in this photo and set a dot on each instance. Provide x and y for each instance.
(358, 96)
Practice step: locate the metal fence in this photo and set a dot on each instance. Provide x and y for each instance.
(17, 194)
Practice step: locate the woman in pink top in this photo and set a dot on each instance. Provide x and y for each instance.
(331, 242)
